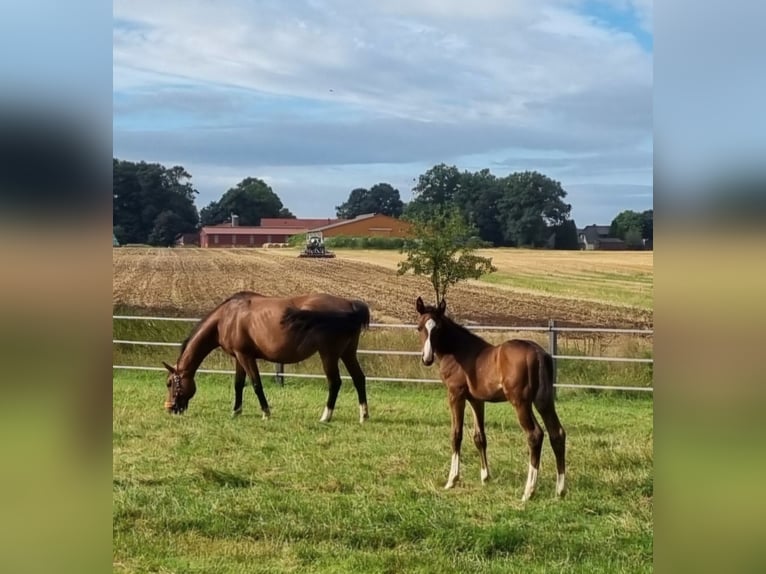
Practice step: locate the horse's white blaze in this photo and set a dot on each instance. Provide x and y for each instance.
(428, 352)
(454, 470)
(531, 482)
(326, 415)
(484, 474)
(560, 484)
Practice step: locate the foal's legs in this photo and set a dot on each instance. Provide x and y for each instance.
(535, 437)
(457, 408)
(331, 370)
(239, 385)
(360, 381)
(479, 437)
(558, 442)
(251, 368)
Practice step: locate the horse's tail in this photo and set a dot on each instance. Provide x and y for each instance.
(545, 395)
(328, 322)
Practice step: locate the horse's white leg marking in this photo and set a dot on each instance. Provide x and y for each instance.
(363, 413)
(560, 484)
(484, 475)
(326, 415)
(454, 471)
(266, 415)
(428, 351)
(531, 482)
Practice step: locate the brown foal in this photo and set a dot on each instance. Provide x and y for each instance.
(473, 370)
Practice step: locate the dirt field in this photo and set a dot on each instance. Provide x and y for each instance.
(190, 282)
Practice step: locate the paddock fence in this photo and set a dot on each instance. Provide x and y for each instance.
(552, 329)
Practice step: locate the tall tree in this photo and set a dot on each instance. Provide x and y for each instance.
(531, 207)
(144, 193)
(435, 189)
(566, 236)
(380, 198)
(477, 197)
(647, 227)
(251, 199)
(443, 250)
(625, 221)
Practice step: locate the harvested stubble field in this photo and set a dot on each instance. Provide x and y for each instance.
(530, 287)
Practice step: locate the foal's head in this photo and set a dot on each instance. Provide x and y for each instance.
(429, 326)
(181, 389)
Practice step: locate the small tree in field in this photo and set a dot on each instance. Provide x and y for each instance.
(444, 250)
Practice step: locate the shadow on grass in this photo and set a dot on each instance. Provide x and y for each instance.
(223, 478)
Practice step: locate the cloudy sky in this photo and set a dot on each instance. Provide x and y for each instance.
(317, 97)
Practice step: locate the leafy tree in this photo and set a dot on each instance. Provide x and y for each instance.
(647, 227)
(380, 198)
(167, 226)
(624, 221)
(142, 192)
(444, 250)
(251, 199)
(435, 189)
(566, 236)
(531, 205)
(477, 197)
(633, 239)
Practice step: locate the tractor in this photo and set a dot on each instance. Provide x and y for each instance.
(315, 246)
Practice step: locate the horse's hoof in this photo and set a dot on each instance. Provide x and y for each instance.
(236, 413)
(266, 415)
(449, 485)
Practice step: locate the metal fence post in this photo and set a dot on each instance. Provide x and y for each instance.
(280, 374)
(553, 348)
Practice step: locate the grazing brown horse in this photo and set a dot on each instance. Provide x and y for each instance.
(473, 370)
(250, 326)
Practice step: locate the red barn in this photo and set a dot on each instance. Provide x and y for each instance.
(239, 236)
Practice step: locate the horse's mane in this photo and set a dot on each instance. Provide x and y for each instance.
(202, 322)
(461, 336)
(464, 333)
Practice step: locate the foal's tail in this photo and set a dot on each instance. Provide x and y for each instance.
(545, 395)
(323, 322)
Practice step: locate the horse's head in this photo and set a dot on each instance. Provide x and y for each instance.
(429, 325)
(181, 389)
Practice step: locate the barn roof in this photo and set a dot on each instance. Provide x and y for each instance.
(306, 223)
(347, 221)
(240, 230)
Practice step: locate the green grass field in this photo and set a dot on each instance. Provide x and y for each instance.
(207, 493)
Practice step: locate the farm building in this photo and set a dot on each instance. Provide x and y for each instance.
(293, 223)
(271, 230)
(593, 237)
(368, 225)
(242, 236)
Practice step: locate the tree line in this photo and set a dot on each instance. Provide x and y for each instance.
(154, 204)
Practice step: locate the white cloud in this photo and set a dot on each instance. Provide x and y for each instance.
(321, 82)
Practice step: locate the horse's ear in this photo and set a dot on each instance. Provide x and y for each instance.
(169, 368)
(442, 306)
(420, 306)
